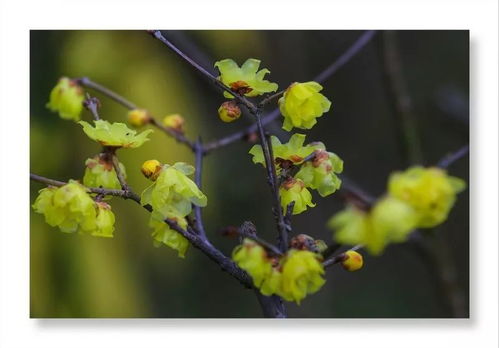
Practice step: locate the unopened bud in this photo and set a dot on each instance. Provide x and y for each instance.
(229, 111)
(151, 169)
(175, 122)
(138, 117)
(353, 261)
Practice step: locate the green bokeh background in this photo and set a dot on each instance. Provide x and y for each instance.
(83, 276)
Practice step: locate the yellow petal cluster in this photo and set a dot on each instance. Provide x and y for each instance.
(294, 190)
(245, 80)
(292, 277)
(171, 196)
(66, 98)
(430, 191)
(417, 198)
(114, 134)
(302, 104)
(70, 208)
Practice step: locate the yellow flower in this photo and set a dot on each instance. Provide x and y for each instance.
(229, 111)
(353, 261)
(173, 191)
(114, 134)
(175, 122)
(138, 117)
(70, 208)
(389, 221)
(104, 221)
(99, 172)
(294, 190)
(320, 173)
(430, 191)
(251, 257)
(301, 104)
(163, 234)
(151, 169)
(293, 151)
(302, 273)
(67, 99)
(245, 80)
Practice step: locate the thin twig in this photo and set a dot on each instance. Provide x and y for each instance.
(209, 250)
(270, 98)
(272, 181)
(92, 104)
(86, 82)
(241, 99)
(101, 191)
(253, 236)
(340, 257)
(178, 136)
(453, 157)
(119, 172)
(198, 153)
(324, 75)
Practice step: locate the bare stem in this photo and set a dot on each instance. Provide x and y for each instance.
(198, 153)
(270, 98)
(340, 257)
(86, 82)
(241, 99)
(329, 71)
(119, 173)
(453, 157)
(92, 104)
(107, 192)
(209, 250)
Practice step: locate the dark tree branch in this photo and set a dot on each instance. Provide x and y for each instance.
(270, 98)
(241, 99)
(251, 234)
(272, 181)
(361, 42)
(198, 153)
(209, 250)
(340, 257)
(119, 173)
(92, 104)
(86, 82)
(179, 137)
(453, 157)
(101, 191)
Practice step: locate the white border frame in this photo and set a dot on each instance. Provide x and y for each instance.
(17, 17)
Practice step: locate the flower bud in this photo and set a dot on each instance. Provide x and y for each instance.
(175, 122)
(229, 111)
(138, 117)
(66, 98)
(151, 169)
(353, 261)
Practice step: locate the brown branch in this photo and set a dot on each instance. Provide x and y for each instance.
(92, 104)
(241, 99)
(119, 173)
(270, 98)
(207, 248)
(329, 71)
(198, 153)
(340, 257)
(453, 157)
(86, 82)
(101, 191)
(179, 137)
